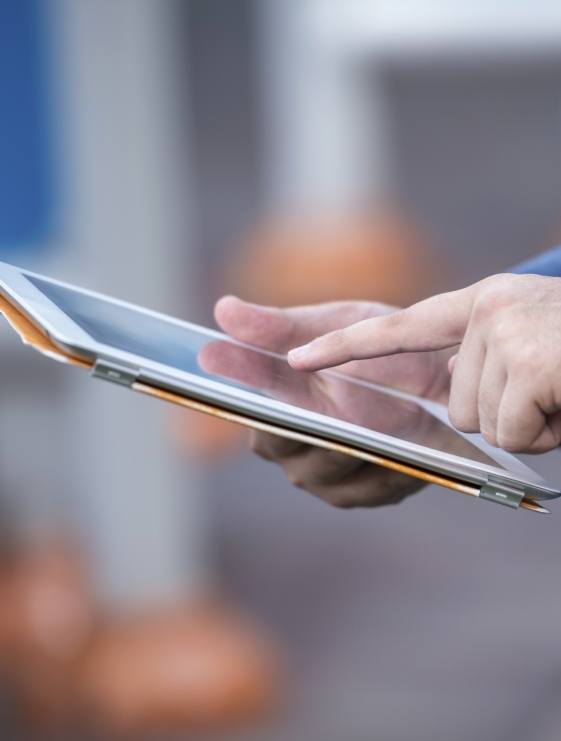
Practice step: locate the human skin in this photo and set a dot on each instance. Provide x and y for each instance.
(336, 478)
(506, 374)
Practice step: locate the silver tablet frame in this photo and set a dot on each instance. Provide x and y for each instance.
(71, 338)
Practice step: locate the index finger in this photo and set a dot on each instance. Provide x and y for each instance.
(433, 324)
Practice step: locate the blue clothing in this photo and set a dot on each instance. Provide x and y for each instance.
(548, 263)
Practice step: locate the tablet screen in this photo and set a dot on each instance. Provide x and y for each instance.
(212, 356)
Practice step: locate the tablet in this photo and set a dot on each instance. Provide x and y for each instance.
(204, 369)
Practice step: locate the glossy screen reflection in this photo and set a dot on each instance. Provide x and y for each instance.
(202, 354)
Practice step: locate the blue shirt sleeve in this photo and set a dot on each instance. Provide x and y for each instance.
(548, 263)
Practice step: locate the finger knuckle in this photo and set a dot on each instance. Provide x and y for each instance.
(488, 413)
(537, 448)
(490, 437)
(523, 363)
(499, 281)
(504, 331)
(508, 440)
(510, 445)
(459, 418)
(493, 297)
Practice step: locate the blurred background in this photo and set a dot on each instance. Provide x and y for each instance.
(156, 580)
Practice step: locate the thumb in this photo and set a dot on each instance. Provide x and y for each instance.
(280, 329)
(433, 324)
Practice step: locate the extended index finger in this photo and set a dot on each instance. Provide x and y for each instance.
(433, 324)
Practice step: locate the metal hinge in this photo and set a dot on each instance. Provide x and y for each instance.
(496, 490)
(115, 373)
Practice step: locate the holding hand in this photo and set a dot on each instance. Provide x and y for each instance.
(336, 478)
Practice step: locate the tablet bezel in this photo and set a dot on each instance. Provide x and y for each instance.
(65, 333)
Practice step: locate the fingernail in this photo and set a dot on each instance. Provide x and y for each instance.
(299, 353)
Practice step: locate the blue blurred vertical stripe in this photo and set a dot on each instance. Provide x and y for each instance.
(27, 182)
